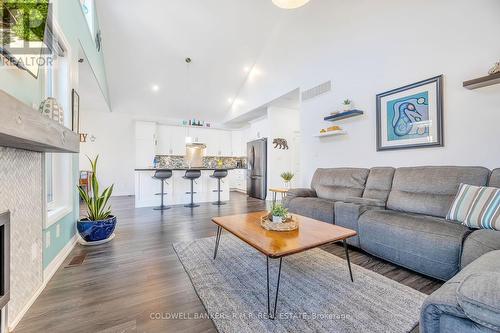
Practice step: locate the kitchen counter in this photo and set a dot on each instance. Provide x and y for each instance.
(177, 188)
(184, 169)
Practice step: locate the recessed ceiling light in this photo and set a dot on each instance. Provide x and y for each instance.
(155, 87)
(290, 4)
(247, 69)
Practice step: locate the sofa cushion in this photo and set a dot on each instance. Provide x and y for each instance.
(379, 183)
(494, 178)
(348, 213)
(339, 183)
(476, 207)
(443, 302)
(425, 244)
(316, 208)
(479, 297)
(431, 190)
(478, 243)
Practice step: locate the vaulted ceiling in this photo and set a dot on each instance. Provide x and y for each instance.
(146, 43)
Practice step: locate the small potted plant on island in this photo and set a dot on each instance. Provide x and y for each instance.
(279, 213)
(347, 105)
(287, 177)
(98, 226)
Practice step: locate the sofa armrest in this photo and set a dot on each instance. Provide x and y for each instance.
(365, 202)
(301, 192)
(479, 297)
(347, 215)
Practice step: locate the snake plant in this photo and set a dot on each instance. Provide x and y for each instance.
(97, 203)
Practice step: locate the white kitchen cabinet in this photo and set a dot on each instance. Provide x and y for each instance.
(197, 134)
(224, 143)
(237, 145)
(145, 143)
(238, 180)
(171, 140)
(178, 142)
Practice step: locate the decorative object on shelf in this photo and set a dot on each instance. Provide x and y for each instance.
(280, 143)
(495, 69)
(83, 137)
(347, 105)
(290, 4)
(331, 133)
(50, 108)
(99, 224)
(411, 116)
(343, 115)
(92, 138)
(332, 130)
(287, 224)
(287, 177)
(75, 111)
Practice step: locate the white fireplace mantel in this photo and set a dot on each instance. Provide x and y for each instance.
(23, 127)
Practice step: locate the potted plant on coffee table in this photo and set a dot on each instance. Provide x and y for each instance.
(279, 213)
(98, 226)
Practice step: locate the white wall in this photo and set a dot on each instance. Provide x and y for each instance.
(368, 47)
(114, 143)
(283, 123)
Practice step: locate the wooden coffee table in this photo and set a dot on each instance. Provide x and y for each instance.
(279, 244)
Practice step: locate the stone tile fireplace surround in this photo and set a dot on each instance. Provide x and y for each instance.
(21, 192)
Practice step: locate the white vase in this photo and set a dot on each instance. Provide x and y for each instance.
(277, 219)
(347, 107)
(287, 185)
(50, 108)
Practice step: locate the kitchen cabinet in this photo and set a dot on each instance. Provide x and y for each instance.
(152, 139)
(237, 144)
(238, 180)
(145, 143)
(171, 140)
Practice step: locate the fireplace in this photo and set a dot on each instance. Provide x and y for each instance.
(4, 259)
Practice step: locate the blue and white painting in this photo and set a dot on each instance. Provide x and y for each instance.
(408, 117)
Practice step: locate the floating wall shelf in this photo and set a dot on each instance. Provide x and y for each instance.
(331, 133)
(482, 81)
(25, 128)
(344, 115)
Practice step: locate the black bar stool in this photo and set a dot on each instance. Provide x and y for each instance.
(192, 174)
(219, 174)
(162, 175)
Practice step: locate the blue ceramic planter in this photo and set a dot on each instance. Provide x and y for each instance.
(92, 231)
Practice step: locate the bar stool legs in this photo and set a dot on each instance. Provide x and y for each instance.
(218, 202)
(192, 204)
(162, 175)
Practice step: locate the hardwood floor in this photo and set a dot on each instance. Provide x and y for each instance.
(119, 286)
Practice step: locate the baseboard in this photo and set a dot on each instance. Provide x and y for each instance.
(48, 273)
(51, 269)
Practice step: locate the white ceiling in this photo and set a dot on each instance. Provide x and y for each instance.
(146, 42)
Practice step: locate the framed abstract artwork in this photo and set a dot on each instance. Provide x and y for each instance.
(75, 111)
(411, 116)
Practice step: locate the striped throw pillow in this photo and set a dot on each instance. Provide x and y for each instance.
(476, 207)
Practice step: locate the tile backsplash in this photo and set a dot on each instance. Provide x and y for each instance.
(177, 161)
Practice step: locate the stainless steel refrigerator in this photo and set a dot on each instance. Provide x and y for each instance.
(257, 169)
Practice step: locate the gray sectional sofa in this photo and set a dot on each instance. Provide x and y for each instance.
(399, 215)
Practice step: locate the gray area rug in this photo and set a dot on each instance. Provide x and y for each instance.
(316, 294)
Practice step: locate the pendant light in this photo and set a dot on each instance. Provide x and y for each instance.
(290, 4)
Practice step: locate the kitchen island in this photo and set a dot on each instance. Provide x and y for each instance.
(177, 188)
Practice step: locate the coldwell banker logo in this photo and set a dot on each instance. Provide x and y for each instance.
(25, 33)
